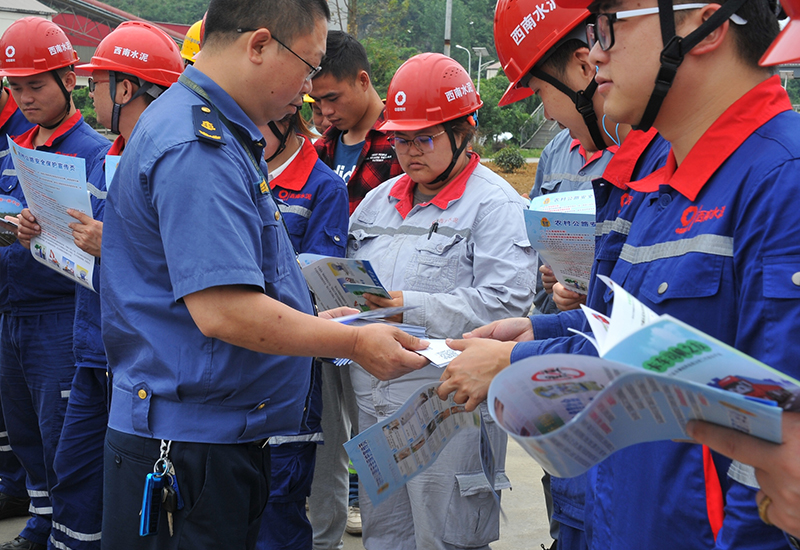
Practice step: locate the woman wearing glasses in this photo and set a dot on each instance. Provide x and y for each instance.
(447, 237)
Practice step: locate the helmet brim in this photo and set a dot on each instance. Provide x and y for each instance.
(516, 91)
(785, 48)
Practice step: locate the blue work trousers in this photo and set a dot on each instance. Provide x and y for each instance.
(78, 495)
(36, 371)
(285, 525)
(12, 474)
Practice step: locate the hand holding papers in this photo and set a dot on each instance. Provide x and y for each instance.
(561, 229)
(338, 282)
(52, 184)
(656, 373)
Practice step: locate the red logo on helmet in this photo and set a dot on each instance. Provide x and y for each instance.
(693, 215)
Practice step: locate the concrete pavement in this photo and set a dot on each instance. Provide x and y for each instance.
(525, 529)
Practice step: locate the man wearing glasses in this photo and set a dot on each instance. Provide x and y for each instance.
(206, 316)
(714, 244)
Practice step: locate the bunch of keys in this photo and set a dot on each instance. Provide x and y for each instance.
(160, 490)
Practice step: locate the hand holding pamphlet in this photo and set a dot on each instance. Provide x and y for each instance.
(52, 185)
(338, 282)
(570, 412)
(561, 228)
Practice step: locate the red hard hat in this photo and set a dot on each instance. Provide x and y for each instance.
(140, 49)
(426, 90)
(33, 45)
(573, 4)
(786, 47)
(525, 31)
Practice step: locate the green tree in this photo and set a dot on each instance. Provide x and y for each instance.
(793, 88)
(167, 11)
(494, 120)
(80, 96)
(384, 59)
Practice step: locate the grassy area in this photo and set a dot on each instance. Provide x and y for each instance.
(531, 153)
(527, 153)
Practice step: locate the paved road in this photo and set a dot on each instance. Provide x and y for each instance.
(525, 529)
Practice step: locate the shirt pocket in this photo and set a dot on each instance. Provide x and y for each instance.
(690, 276)
(275, 244)
(433, 266)
(357, 239)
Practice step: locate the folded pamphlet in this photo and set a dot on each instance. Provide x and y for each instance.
(654, 374)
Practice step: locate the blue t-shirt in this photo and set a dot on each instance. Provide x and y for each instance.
(184, 215)
(345, 158)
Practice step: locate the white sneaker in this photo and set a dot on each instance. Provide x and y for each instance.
(353, 526)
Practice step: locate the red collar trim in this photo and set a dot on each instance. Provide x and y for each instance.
(596, 155)
(26, 140)
(295, 178)
(621, 166)
(117, 146)
(9, 109)
(729, 131)
(403, 189)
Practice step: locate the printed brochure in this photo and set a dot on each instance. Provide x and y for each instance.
(405, 444)
(655, 374)
(561, 228)
(338, 282)
(52, 184)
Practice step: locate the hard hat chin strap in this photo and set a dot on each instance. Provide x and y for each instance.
(675, 49)
(456, 149)
(67, 97)
(144, 88)
(583, 103)
(281, 139)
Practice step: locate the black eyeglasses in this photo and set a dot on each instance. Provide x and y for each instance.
(602, 31)
(93, 84)
(314, 70)
(424, 144)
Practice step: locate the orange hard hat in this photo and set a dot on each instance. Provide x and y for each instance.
(34, 45)
(525, 33)
(426, 90)
(139, 49)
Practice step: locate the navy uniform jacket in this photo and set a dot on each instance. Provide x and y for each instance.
(189, 210)
(712, 244)
(616, 203)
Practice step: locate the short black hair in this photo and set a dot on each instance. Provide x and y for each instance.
(288, 19)
(345, 57)
(753, 39)
(557, 62)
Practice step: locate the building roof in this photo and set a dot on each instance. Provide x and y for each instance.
(31, 7)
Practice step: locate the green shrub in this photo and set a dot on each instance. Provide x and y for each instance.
(478, 148)
(509, 159)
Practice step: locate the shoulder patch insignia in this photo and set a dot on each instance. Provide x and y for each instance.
(207, 126)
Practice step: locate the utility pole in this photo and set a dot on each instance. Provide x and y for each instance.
(448, 16)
